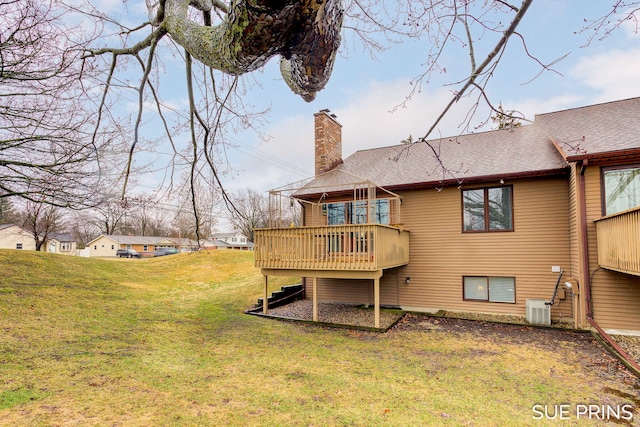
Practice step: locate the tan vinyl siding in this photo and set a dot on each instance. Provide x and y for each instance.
(344, 290)
(615, 296)
(359, 291)
(441, 254)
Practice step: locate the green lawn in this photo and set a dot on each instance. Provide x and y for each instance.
(165, 342)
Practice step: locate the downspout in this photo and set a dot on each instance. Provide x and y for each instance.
(626, 360)
(585, 241)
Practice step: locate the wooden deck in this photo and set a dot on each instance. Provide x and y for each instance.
(366, 248)
(619, 241)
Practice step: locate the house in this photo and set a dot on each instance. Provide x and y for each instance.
(539, 221)
(62, 243)
(15, 237)
(106, 245)
(232, 240)
(185, 245)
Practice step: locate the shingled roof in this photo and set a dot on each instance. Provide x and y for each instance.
(610, 129)
(539, 149)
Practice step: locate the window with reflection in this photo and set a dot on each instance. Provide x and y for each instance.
(487, 209)
(357, 212)
(621, 189)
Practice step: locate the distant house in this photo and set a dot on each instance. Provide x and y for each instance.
(184, 244)
(62, 243)
(106, 245)
(540, 221)
(15, 237)
(233, 240)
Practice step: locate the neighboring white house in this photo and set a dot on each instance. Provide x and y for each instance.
(233, 240)
(14, 237)
(103, 246)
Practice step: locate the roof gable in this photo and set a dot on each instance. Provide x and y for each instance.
(7, 226)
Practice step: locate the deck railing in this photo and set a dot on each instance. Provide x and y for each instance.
(619, 241)
(366, 247)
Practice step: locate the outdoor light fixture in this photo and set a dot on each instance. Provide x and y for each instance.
(407, 280)
(568, 285)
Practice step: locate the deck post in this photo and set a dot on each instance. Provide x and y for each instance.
(315, 299)
(265, 296)
(376, 301)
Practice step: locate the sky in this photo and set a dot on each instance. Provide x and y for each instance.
(369, 95)
(363, 92)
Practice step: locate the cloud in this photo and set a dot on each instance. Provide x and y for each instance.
(612, 75)
(369, 120)
(286, 157)
(378, 115)
(369, 117)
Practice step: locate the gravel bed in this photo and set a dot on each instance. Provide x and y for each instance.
(341, 313)
(338, 313)
(630, 344)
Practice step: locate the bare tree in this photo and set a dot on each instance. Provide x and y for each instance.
(49, 89)
(220, 41)
(158, 226)
(143, 217)
(110, 214)
(149, 217)
(42, 220)
(194, 205)
(252, 211)
(49, 150)
(82, 227)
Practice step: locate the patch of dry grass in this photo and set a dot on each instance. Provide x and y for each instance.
(165, 342)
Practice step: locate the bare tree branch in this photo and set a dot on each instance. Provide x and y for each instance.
(481, 68)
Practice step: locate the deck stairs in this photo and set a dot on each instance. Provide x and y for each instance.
(286, 295)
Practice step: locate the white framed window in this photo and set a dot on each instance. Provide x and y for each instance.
(621, 188)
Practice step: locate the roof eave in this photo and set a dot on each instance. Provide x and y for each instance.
(456, 181)
(480, 179)
(627, 154)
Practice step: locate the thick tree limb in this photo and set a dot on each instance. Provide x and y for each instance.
(306, 34)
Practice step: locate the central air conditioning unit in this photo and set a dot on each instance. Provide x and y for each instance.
(538, 312)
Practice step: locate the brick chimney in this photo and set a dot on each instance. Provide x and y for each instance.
(328, 140)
